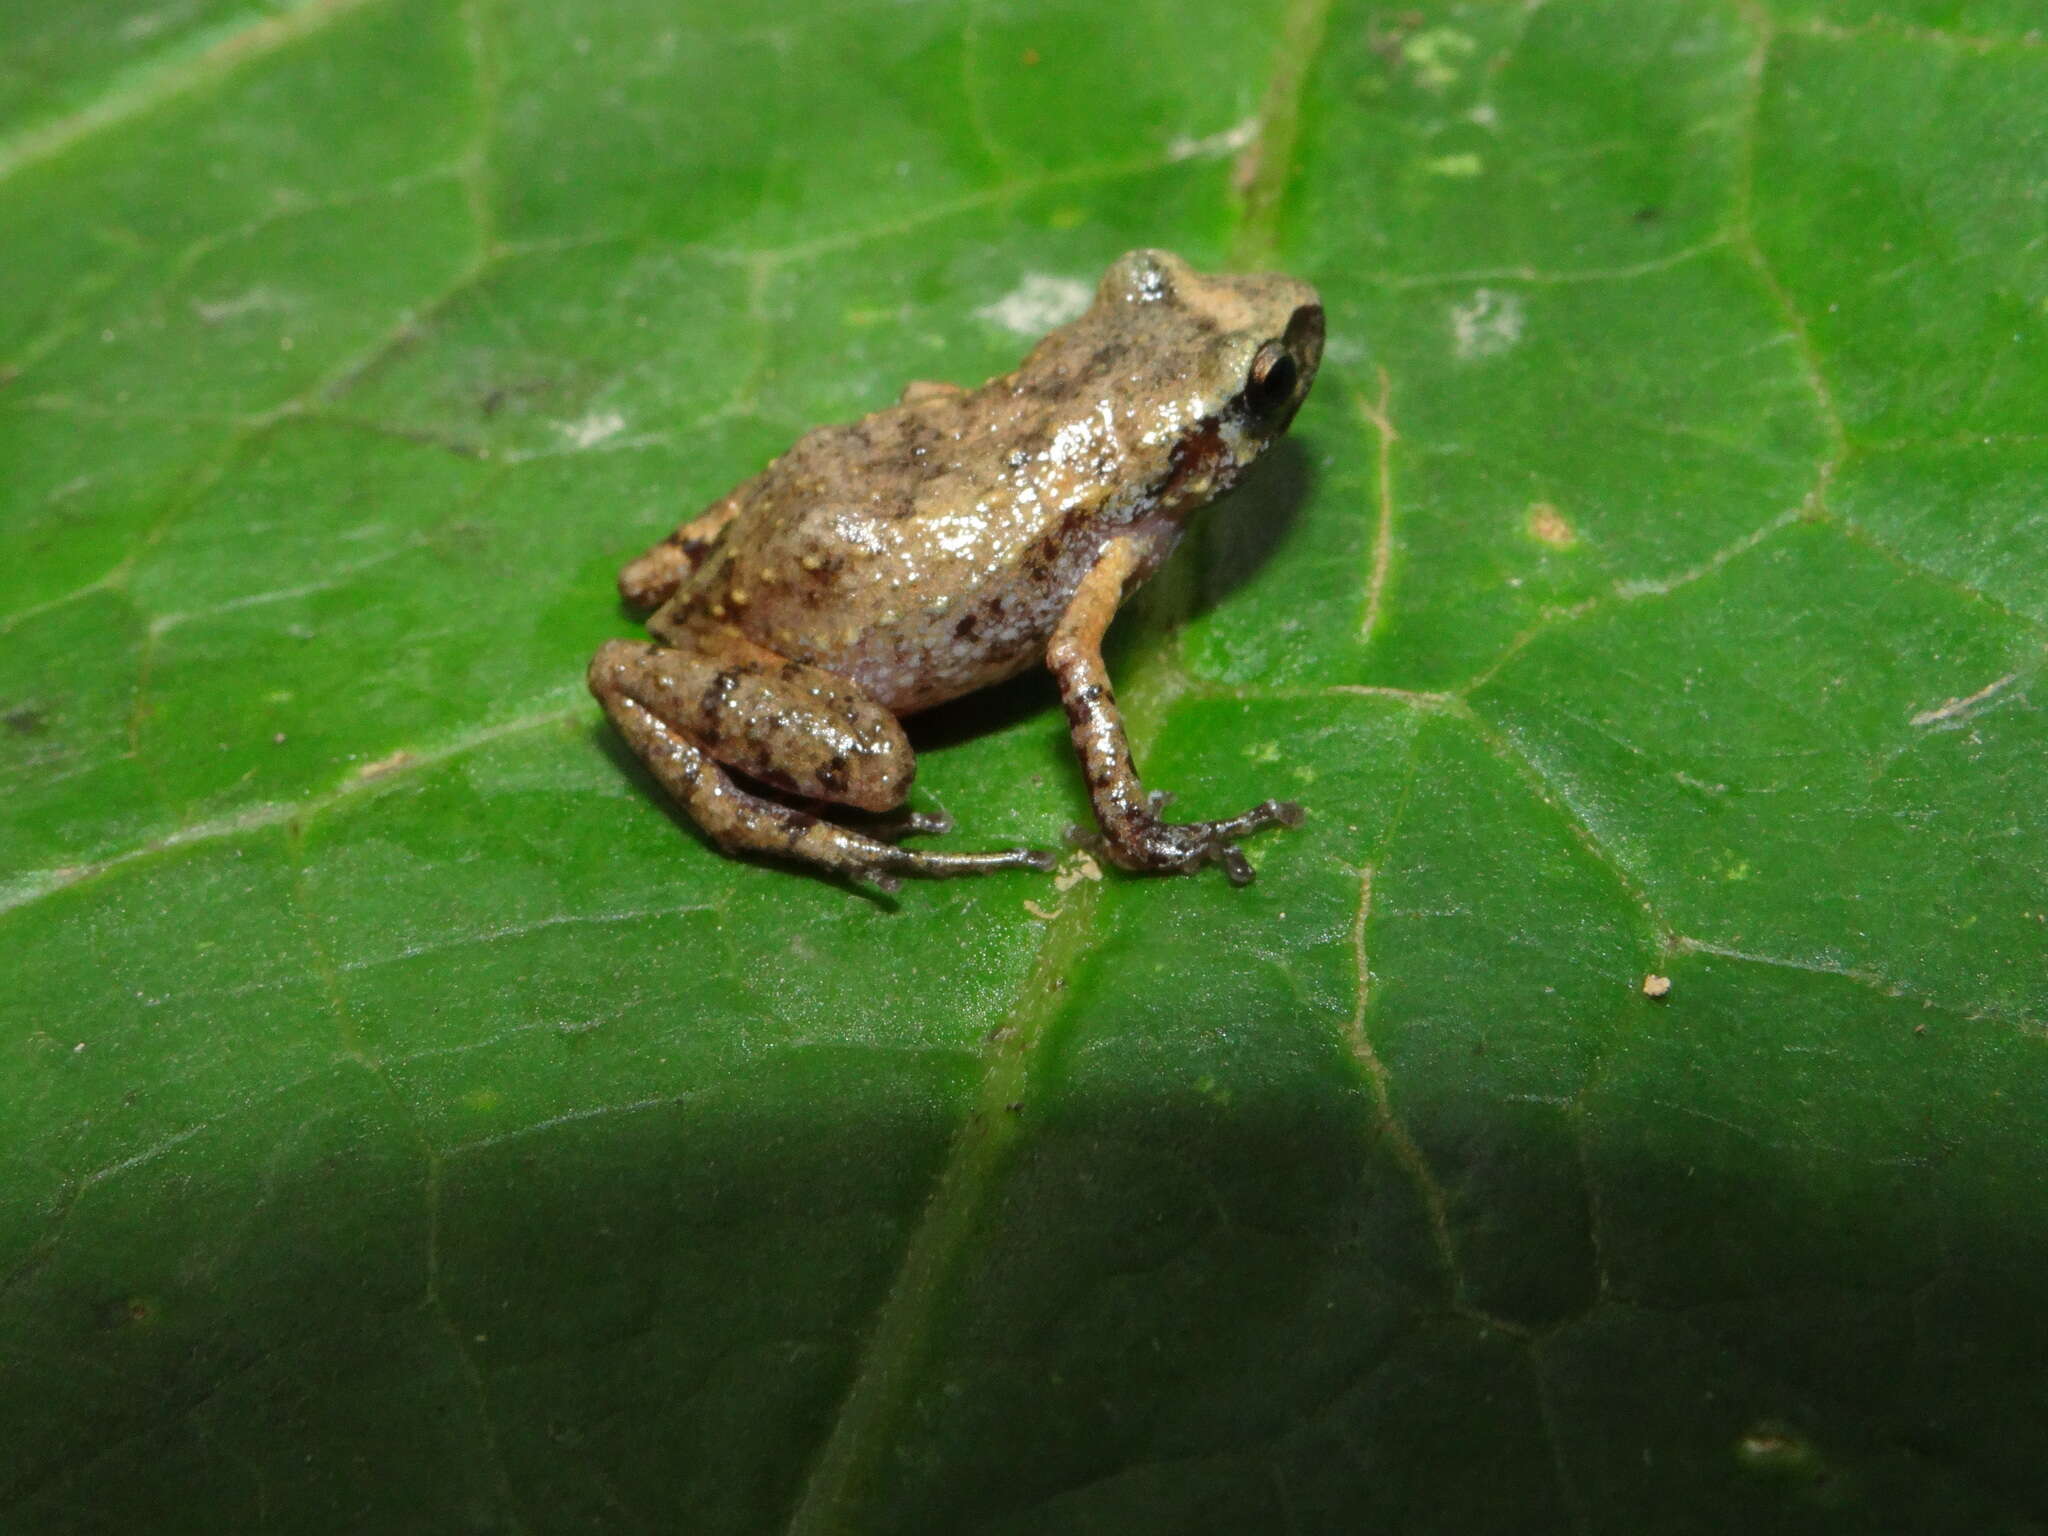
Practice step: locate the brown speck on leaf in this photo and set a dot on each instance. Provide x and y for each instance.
(384, 765)
(1030, 57)
(1547, 526)
(1656, 986)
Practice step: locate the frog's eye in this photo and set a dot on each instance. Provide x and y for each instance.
(1270, 385)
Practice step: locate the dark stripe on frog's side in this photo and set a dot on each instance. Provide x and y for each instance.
(1043, 552)
(1196, 455)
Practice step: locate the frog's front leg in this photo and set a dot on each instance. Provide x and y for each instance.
(1133, 835)
(686, 710)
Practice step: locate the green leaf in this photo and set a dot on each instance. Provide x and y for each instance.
(412, 1124)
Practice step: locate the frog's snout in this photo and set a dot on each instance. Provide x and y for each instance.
(1304, 340)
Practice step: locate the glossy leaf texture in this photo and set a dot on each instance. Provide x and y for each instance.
(411, 1125)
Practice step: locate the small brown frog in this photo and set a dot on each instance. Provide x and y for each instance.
(947, 543)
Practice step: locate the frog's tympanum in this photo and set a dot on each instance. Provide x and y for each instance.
(945, 544)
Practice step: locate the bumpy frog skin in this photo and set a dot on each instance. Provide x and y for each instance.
(947, 543)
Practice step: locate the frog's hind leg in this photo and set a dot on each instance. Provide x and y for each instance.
(796, 727)
(651, 580)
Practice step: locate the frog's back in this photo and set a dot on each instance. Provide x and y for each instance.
(929, 549)
(914, 550)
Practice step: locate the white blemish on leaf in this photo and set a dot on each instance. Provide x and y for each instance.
(1038, 304)
(1433, 55)
(593, 429)
(1963, 709)
(257, 301)
(1456, 166)
(138, 29)
(1229, 141)
(1081, 867)
(1487, 324)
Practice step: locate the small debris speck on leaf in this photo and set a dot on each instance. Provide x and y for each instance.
(1656, 986)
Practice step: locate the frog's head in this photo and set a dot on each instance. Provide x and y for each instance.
(1237, 351)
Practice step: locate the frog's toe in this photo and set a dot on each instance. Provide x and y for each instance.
(894, 826)
(1236, 867)
(921, 824)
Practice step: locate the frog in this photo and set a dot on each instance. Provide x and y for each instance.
(945, 544)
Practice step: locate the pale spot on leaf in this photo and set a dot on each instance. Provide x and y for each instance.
(1038, 304)
(1487, 324)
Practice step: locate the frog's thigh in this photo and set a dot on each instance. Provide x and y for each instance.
(797, 727)
(635, 688)
(737, 821)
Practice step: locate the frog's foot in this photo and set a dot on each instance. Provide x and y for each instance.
(1147, 845)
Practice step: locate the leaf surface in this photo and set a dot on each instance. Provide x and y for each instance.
(414, 1126)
